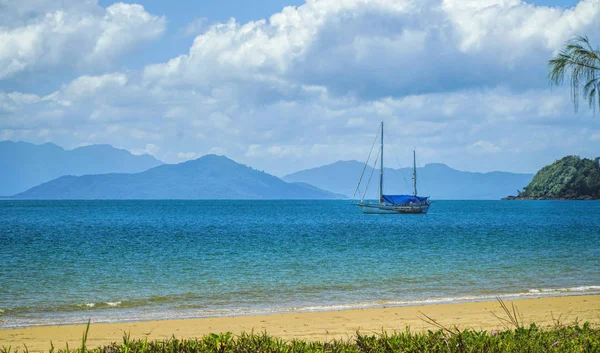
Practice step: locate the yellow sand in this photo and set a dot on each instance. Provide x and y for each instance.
(316, 325)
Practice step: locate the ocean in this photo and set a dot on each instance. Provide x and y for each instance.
(69, 261)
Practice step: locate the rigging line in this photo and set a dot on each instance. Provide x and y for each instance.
(370, 176)
(365, 166)
(398, 161)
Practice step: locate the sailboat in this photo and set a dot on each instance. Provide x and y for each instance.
(393, 204)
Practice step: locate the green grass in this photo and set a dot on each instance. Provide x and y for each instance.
(573, 338)
(515, 338)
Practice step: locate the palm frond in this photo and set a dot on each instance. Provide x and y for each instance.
(581, 62)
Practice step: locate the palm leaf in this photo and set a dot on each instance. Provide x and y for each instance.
(581, 62)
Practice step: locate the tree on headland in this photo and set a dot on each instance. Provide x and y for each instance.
(581, 62)
(571, 177)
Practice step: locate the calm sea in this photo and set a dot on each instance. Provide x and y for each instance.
(70, 261)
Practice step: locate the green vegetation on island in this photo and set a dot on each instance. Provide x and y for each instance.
(570, 178)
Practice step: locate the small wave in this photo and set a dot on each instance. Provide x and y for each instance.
(66, 308)
(532, 293)
(102, 305)
(144, 309)
(543, 292)
(581, 289)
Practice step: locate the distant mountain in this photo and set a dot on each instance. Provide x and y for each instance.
(436, 180)
(208, 177)
(570, 178)
(25, 165)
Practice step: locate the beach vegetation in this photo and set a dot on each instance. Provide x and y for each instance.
(517, 338)
(560, 338)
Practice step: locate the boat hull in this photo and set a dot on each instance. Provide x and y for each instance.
(374, 208)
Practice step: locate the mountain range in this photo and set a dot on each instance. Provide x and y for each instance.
(103, 172)
(436, 180)
(208, 177)
(25, 165)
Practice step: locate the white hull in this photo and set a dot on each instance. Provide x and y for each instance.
(375, 208)
(391, 204)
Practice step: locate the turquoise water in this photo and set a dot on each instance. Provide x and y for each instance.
(70, 261)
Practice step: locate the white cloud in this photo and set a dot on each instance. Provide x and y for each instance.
(78, 35)
(6, 134)
(19, 13)
(88, 86)
(150, 149)
(381, 48)
(185, 156)
(139, 134)
(483, 147)
(11, 102)
(275, 151)
(462, 82)
(282, 137)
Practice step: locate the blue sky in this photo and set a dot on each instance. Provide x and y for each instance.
(180, 14)
(464, 82)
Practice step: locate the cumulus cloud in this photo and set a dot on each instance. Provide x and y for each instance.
(150, 149)
(38, 35)
(12, 102)
(483, 147)
(282, 137)
(464, 82)
(383, 48)
(88, 86)
(185, 156)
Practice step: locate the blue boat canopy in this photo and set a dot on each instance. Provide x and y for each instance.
(404, 199)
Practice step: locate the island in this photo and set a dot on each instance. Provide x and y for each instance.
(570, 178)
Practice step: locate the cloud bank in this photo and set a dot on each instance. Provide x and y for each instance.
(42, 35)
(463, 82)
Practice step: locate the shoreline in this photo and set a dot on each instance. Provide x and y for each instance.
(165, 315)
(543, 198)
(318, 325)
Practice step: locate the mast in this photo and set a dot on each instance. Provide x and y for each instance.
(381, 169)
(415, 172)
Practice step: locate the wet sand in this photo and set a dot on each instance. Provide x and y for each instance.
(317, 325)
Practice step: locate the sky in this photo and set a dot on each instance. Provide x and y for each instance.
(284, 85)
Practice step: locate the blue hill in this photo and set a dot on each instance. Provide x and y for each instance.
(25, 165)
(436, 180)
(208, 177)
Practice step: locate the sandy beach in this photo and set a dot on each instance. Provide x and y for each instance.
(317, 325)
